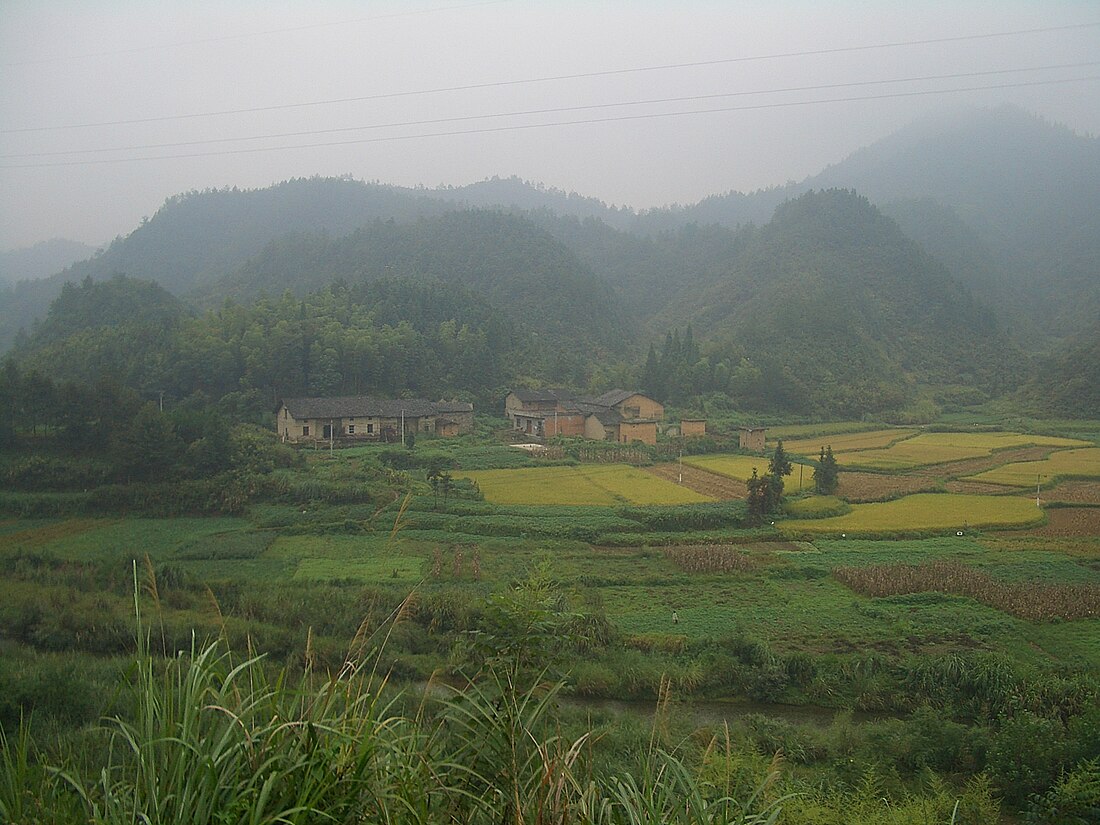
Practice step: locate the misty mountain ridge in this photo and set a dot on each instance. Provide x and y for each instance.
(574, 268)
(42, 259)
(519, 268)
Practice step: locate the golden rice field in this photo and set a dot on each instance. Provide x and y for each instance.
(741, 466)
(847, 442)
(939, 448)
(926, 511)
(596, 484)
(1062, 464)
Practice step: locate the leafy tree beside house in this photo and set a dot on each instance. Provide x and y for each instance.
(766, 491)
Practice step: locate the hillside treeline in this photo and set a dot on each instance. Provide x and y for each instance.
(385, 338)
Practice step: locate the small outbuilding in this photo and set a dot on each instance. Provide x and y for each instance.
(752, 439)
(690, 427)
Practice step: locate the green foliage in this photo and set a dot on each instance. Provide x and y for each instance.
(1073, 800)
(826, 474)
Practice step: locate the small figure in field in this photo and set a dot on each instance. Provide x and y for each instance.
(675, 617)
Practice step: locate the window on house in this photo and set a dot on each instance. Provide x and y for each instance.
(351, 429)
(370, 429)
(632, 412)
(305, 429)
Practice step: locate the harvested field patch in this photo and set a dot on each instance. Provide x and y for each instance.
(863, 487)
(940, 448)
(1063, 464)
(1075, 492)
(924, 511)
(847, 442)
(54, 531)
(975, 488)
(1035, 603)
(1069, 522)
(701, 481)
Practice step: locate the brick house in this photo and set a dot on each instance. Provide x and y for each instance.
(619, 415)
(361, 418)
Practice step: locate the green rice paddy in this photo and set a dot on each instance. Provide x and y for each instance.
(926, 511)
(586, 484)
(1083, 463)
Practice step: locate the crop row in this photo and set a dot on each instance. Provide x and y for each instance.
(710, 558)
(1036, 603)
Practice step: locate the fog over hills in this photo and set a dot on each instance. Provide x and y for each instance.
(42, 259)
(978, 210)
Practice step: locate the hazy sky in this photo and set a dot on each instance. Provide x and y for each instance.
(107, 108)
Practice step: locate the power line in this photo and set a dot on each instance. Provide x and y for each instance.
(551, 78)
(556, 110)
(226, 37)
(578, 122)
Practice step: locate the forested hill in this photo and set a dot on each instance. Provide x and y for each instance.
(198, 237)
(386, 338)
(1068, 384)
(1027, 191)
(517, 267)
(846, 313)
(515, 193)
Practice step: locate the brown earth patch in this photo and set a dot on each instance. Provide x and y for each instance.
(979, 488)
(1068, 521)
(701, 481)
(859, 487)
(39, 536)
(1074, 492)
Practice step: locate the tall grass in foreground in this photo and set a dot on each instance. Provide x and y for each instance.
(211, 737)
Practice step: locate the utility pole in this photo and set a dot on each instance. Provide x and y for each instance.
(1037, 479)
(402, 427)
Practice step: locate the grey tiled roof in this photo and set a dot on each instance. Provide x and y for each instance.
(362, 406)
(613, 397)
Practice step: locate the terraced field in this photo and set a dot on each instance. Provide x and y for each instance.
(701, 481)
(740, 467)
(940, 448)
(1084, 463)
(603, 484)
(925, 511)
(848, 442)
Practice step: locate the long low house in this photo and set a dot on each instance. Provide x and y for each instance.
(362, 418)
(619, 415)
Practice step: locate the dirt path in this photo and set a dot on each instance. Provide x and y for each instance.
(708, 484)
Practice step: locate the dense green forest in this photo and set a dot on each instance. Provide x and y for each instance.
(383, 338)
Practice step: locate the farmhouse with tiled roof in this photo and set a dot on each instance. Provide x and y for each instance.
(364, 418)
(619, 415)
